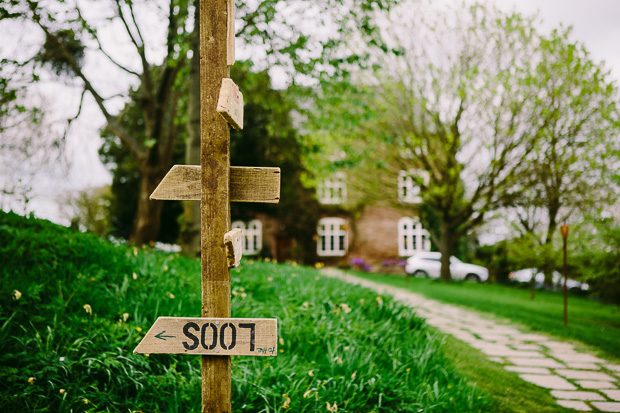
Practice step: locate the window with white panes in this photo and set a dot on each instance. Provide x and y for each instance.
(333, 190)
(252, 234)
(412, 237)
(332, 240)
(408, 190)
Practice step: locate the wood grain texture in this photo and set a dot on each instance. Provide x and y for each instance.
(230, 104)
(230, 38)
(214, 197)
(222, 336)
(247, 184)
(234, 248)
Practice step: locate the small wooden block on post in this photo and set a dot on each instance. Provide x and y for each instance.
(211, 336)
(234, 249)
(230, 33)
(230, 104)
(247, 184)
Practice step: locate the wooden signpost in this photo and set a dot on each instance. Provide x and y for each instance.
(215, 184)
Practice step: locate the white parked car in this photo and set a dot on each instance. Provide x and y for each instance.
(525, 276)
(428, 264)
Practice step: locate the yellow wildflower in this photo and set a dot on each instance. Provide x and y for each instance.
(345, 308)
(85, 401)
(138, 329)
(88, 309)
(31, 380)
(287, 402)
(294, 263)
(275, 261)
(309, 393)
(62, 391)
(331, 408)
(16, 295)
(281, 351)
(408, 370)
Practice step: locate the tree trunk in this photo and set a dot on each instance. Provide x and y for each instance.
(189, 238)
(446, 244)
(148, 216)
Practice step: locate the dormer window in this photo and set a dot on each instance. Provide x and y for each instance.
(408, 190)
(333, 190)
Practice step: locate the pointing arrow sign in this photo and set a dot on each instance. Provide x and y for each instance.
(161, 336)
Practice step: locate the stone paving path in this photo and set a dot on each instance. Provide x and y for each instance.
(577, 380)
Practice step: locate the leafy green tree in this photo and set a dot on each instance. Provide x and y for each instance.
(68, 36)
(463, 107)
(597, 254)
(276, 30)
(571, 167)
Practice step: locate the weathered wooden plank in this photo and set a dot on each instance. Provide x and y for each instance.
(230, 104)
(247, 184)
(230, 33)
(211, 336)
(214, 199)
(234, 248)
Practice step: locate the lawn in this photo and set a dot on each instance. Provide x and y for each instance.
(73, 307)
(589, 321)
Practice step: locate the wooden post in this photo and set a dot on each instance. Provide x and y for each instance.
(215, 198)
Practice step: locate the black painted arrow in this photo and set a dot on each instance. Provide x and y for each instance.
(161, 336)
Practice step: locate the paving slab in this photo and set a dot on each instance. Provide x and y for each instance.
(508, 352)
(530, 337)
(612, 394)
(572, 404)
(526, 347)
(530, 370)
(550, 381)
(576, 357)
(536, 362)
(577, 395)
(594, 384)
(584, 375)
(607, 406)
(612, 367)
(497, 359)
(583, 366)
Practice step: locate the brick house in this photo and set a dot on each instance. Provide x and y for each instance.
(378, 236)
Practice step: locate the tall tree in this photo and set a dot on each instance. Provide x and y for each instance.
(571, 167)
(66, 33)
(458, 107)
(276, 30)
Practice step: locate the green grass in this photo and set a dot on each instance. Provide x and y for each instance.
(66, 339)
(589, 322)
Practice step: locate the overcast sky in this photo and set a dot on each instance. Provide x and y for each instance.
(595, 23)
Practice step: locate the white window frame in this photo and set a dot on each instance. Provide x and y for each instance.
(252, 236)
(332, 237)
(408, 190)
(412, 237)
(333, 190)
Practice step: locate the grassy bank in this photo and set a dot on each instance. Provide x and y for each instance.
(73, 307)
(589, 321)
